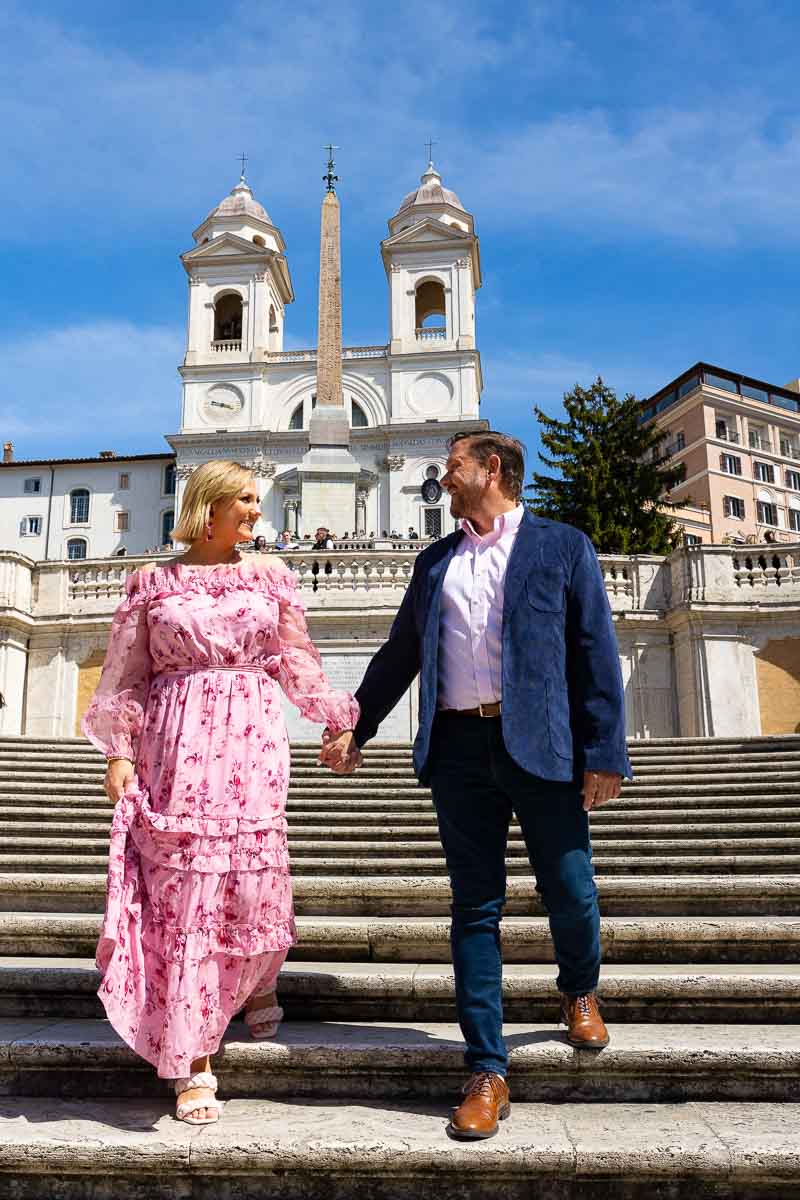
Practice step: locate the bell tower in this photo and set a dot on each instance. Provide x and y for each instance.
(239, 286)
(432, 261)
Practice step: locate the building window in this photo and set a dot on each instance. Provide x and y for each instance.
(32, 487)
(296, 421)
(170, 475)
(228, 319)
(794, 519)
(793, 480)
(79, 506)
(758, 439)
(167, 525)
(764, 472)
(724, 431)
(76, 548)
(124, 482)
(121, 522)
(358, 418)
(31, 526)
(788, 446)
(719, 381)
(691, 539)
(429, 309)
(432, 472)
(433, 522)
(680, 440)
(766, 514)
(731, 464)
(733, 506)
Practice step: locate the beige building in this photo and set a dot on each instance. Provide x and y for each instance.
(739, 441)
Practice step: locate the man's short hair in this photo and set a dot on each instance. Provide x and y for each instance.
(509, 450)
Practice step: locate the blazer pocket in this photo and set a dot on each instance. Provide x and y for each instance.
(545, 588)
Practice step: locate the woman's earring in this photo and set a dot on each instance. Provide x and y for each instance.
(209, 531)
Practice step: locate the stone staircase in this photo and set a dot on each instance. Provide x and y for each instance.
(698, 1095)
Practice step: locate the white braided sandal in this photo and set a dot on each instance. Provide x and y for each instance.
(203, 1079)
(271, 1017)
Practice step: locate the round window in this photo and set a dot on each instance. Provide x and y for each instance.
(432, 472)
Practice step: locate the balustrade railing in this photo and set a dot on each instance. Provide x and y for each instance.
(431, 335)
(289, 356)
(227, 346)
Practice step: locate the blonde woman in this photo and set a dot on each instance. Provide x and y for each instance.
(199, 915)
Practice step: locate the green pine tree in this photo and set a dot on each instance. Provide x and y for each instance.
(613, 474)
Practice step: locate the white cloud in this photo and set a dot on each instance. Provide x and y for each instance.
(85, 388)
(713, 176)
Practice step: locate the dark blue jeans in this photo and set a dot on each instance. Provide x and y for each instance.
(476, 786)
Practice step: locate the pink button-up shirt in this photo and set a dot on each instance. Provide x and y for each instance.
(471, 617)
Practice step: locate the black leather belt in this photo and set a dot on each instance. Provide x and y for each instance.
(483, 710)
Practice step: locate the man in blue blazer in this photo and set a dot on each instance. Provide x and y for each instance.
(521, 710)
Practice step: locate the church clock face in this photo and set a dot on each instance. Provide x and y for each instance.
(220, 405)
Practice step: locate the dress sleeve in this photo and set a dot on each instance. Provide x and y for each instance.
(114, 719)
(300, 673)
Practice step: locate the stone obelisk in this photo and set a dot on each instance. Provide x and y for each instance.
(329, 472)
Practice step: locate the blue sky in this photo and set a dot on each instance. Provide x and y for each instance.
(634, 173)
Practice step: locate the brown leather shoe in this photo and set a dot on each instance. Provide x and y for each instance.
(486, 1102)
(585, 1026)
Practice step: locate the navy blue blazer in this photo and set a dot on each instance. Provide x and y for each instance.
(563, 702)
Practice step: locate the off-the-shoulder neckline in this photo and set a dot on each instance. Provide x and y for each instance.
(206, 568)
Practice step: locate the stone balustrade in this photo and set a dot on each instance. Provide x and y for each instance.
(737, 575)
(291, 356)
(729, 575)
(227, 346)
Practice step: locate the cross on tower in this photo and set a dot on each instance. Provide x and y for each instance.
(430, 144)
(243, 158)
(330, 179)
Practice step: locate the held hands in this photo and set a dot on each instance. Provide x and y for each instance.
(340, 753)
(119, 773)
(599, 786)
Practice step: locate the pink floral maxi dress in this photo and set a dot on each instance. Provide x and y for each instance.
(199, 908)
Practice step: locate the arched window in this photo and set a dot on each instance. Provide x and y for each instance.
(296, 421)
(79, 506)
(228, 318)
(358, 418)
(169, 479)
(167, 525)
(430, 310)
(76, 548)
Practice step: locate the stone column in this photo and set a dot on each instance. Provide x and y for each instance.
(329, 472)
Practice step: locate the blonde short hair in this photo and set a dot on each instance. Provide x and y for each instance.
(220, 479)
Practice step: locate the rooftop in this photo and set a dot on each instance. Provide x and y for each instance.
(98, 458)
(431, 191)
(702, 373)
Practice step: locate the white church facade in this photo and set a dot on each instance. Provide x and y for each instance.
(245, 396)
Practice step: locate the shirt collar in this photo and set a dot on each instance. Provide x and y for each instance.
(507, 522)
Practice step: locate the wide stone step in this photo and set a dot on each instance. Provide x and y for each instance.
(418, 805)
(336, 991)
(605, 827)
(28, 781)
(337, 846)
(345, 1148)
(385, 1060)
(734, 940)
(669, 820)
(340, 896)
(719, 864)
(307, 769)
